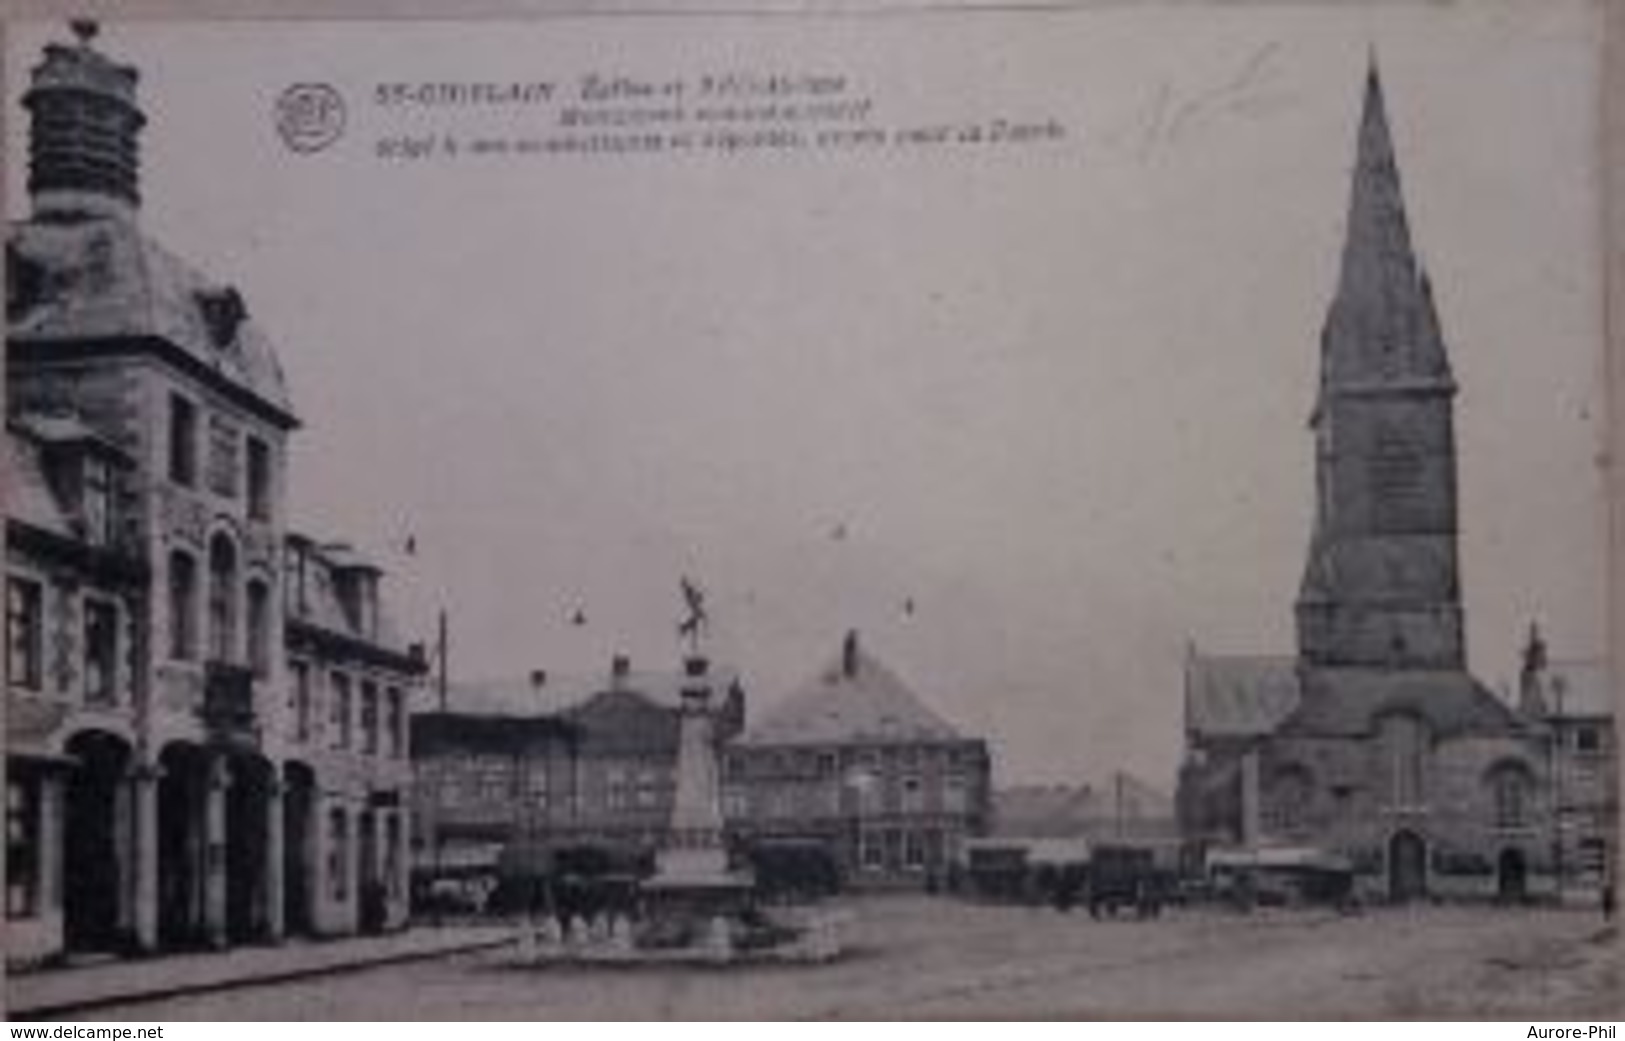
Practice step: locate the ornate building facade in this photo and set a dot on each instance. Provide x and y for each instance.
(163, 789)
(1374, 741)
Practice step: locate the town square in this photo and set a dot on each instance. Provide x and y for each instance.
(449, 599)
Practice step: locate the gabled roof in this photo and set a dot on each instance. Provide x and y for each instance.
(1238, 696)
(519, 696)
(322, 608)
(103, 279)
(855, 699)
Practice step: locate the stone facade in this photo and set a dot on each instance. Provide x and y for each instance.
(160, 793)
(855, 764)
(1375, 742)
(532, 767)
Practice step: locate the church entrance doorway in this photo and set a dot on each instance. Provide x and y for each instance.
(1511, 876)
(1407, 867)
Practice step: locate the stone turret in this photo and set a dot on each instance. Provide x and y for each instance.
(84, 153)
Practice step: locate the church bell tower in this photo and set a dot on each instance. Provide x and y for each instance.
(1380, 588)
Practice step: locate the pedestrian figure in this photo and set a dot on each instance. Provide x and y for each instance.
(1608, 900)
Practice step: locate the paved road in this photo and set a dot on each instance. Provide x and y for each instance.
(919, 957)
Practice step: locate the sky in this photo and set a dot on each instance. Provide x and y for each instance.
(1054, 395)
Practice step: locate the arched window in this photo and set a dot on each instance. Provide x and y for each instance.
(1405, 747)
(182, 606)
(259, 626)
(1291, 794)
(222, 599)
(1510, 787)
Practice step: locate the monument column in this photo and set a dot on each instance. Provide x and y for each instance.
(1249, 799)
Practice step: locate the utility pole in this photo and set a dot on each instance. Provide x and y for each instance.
(1557, 788)
(441, 647)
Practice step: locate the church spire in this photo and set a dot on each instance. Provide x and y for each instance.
(1381, 326)
(1380, 586)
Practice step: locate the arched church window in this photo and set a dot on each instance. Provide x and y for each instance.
(1291, 795)
(1510, 787)
(1404, 746)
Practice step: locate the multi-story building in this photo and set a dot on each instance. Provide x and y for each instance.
(1375, 741)
(550, 763)
(487, 786)
(158, 792)
(855, 763)
(1575, 699)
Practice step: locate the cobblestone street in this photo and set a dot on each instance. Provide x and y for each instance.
(917, 957)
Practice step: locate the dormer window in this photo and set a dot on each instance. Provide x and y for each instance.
(223, 313)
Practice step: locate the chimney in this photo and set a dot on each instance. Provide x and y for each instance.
(538, 680)
(849, 654)
(620, 667)
(83, 155)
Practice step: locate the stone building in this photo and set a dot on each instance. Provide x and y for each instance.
(1375, 741)
(158, 791)
(1576, 702)
(486, 784)
(856, 763)
(555, 762)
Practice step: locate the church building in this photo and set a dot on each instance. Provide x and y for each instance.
(1374, 741)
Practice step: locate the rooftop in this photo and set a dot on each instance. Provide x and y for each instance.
(854, 699)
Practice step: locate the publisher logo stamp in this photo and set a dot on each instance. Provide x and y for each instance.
(309, 116)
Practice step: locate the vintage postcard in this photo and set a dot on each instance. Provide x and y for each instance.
(1088, 511)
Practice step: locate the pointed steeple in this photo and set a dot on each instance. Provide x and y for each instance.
(1381, 326)
(1380, 585)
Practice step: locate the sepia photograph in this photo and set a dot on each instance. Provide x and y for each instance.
(929, 513)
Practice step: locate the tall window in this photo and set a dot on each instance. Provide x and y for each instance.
(182, 606)
(341, 710)
(1405, 742)
(300, 696)
(369, 717)
(1510, 785)
(22, 847)
(101, 651)
(259, 627)
(25, 630)
(223, 442)
(222, 599)
(97, 501)
(182, 441)
(1291, 792)
(259, 479)
(397, 723)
